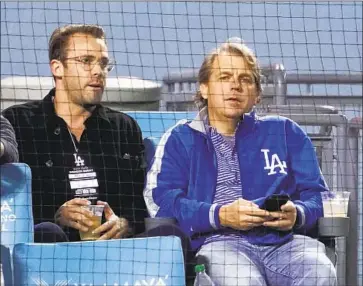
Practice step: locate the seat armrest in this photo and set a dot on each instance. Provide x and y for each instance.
(333, 226)
(153, 222)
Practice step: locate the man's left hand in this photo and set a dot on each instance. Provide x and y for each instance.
(285, 219)
(114, 227)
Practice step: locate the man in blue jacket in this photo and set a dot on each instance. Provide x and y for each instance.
(213, 174)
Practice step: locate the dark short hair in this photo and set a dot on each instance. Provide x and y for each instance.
(233, 46)
(59, 40)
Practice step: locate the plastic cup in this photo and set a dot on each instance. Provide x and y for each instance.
(97, 211)
(335, 204)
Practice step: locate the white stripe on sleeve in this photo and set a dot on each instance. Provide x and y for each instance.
(152, 175)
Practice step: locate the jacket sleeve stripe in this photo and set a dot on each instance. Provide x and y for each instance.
(152, 175)
(212, 216)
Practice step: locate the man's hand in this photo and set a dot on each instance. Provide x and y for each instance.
(242, 215)
(73, 215)
(284, 219)
(114, 227)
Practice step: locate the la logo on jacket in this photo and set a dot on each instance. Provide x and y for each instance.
(274, 163)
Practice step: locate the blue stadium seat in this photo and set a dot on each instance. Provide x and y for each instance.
(154, 124)
(16, 204)
(6, 271)
(141, 261)
(16, 212)
(150, 144)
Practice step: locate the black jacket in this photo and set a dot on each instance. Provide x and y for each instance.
(112, 142)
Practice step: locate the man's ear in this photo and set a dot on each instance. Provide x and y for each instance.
(204, 90)
(57, 68)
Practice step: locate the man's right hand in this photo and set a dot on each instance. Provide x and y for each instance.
(242, 215)
(73, 215)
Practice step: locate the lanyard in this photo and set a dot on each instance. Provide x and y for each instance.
(74, 143)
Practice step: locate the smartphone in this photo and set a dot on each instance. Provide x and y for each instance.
(274, 202)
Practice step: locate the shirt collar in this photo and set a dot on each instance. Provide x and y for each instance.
(100, 112)
(245, 125)
(209, 129)
(51, 116)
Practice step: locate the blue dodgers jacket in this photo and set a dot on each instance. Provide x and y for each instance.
(275, 156)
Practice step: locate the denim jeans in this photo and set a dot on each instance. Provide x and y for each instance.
(301, 261)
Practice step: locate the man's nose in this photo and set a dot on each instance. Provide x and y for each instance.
(98, 70)
(236, 84)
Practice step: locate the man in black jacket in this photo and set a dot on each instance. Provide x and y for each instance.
(80, 152)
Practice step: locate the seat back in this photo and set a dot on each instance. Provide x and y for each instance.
(16, 204)
(140, 261)
(150, 144)
(5, 264)
(153, 126)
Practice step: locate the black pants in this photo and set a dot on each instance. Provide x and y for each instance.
(48, 232)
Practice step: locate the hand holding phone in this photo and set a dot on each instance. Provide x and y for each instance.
(274, 202)
(282, 219)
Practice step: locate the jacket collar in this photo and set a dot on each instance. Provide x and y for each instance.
(201, 123)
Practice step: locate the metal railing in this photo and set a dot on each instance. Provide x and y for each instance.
(354, 185)
(180, 87)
